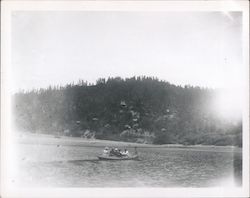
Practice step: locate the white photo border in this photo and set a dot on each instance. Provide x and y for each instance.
(7, 7)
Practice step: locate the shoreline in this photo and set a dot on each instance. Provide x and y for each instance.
(47, 139)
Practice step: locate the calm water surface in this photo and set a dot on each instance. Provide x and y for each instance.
(73, 166)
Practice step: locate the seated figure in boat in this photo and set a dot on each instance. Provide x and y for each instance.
(125, 152)
(106, 151)
(111, 153)
(117, 152)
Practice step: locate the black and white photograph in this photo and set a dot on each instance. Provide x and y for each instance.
(123, 95)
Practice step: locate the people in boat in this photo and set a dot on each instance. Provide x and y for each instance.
(115, 152)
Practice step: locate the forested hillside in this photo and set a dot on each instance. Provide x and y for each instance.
(138, 109)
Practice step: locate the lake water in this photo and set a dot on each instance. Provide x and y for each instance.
(77, 166)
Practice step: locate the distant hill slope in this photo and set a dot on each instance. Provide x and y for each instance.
(138, 109)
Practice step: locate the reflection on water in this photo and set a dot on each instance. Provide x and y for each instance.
(65, 166)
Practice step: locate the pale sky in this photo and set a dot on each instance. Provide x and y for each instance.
(59, 47)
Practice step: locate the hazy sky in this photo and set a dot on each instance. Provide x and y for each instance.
(197, 48)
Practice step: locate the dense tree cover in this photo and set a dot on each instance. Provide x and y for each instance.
(137, 109)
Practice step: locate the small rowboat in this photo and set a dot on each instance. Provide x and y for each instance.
(106, 157)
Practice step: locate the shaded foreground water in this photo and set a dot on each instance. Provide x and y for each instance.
(55, 165)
